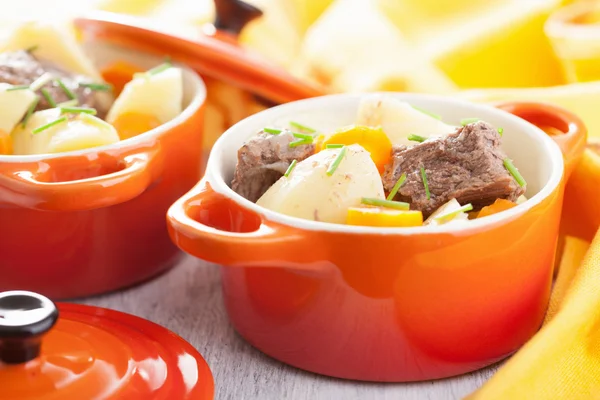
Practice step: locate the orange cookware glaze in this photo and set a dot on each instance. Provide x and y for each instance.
(83, 352)
(77, 225)
(87, 222)
(377, 306)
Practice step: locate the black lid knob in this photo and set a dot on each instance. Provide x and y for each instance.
(24, 318)
(233, 15)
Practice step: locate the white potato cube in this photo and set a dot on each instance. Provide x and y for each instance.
(310, 193)
(80, 131)
(399, 119)
(160, 95)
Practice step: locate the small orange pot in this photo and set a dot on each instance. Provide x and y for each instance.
(394, 304)
(85, 222)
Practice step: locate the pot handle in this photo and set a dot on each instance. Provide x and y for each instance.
(564, 127)
(35, 187)
(211, 226)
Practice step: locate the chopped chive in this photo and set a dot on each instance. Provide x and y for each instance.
(397, 187)
(300, 142)
(336, 163)
(100, 87)
(302, 127)
(32, 48)
(500, 131)
(467, 121)
(417, 138)
(398, 205)
(432, 115)
(20, 87)
(77, 110)
(30, 110)
(290, 168)
(49, 125)
(40, 82)
(508, 164)
(272, 131)
(65, 89)
(334, 146)
(424, 177)
(303, 136)
(68, 103)
(48, 97)
(160, 68)
(450, 215)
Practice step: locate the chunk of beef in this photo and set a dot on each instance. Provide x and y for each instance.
(467, 165)
(22, 68)
(263, 160)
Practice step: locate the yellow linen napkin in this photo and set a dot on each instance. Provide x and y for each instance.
(562, 361)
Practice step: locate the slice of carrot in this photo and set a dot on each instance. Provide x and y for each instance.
(498, 206)
(378, 216)
(133, 123)
(374, 140)
(119, 73)
(5, 143)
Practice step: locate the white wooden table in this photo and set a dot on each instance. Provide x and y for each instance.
(187, 300)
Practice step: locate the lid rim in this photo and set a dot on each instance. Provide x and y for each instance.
(207, 55)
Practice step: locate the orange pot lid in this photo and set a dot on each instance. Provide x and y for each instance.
(83, 352)
(215, 53)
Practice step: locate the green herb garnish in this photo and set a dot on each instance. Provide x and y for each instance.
(334, 146)
(48, 97)
(65, 89)
(30, 110)
(398, 205)
(424, 177)
(302, 127)
(20, 87)
(467, 121)
(49, 125)
(32, 48)
(100, 87)
(432, 115)
(508, 164)
(304, 139)
(500, 131)
(290, 168)
(160, 68)
(272, 131)
(336, 163)
(300, 142)
(78, 110)
(397, 187)
(40, 82)
(68, 103)
(417, 138)
(450, 215)
(303, 136)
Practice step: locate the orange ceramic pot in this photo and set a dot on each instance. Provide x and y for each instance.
(385, 304)
(85, 222)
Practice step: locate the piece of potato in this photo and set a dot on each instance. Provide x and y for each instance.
(160, 95)
(52, 42)
(449, 207)
(13, 106)
(80, 131)
(399, 119)
(310, 193)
